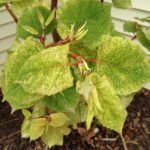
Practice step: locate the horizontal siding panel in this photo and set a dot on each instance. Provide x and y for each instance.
(128, 14)
(6, 43)
(7, 30)
(5, 17)
(2, 8)
(3, 57)
(138, 4)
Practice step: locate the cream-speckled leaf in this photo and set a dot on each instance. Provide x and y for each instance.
(124, 63)
(113, 115)
(96, 15)
(47, 72)
(20, 6)
(104, 103)
(12, 91)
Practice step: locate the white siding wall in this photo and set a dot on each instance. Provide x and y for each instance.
(141, 8)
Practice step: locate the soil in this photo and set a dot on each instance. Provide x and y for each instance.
(136, 131)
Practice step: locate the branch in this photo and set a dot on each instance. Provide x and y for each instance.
(75, 56)
(133, 38)
(55, 35)
(61, 42)
(11, 12)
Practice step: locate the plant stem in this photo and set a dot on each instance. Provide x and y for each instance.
(133, 38)
(61, 42)
(75, 55)
(124, 142)
(11, 12)
(71, 54)
(102, 1)
(55, 35)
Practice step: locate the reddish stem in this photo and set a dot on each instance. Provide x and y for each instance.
(75, 64)
(42, 40)
(75, 55)
(62, 42)
(71, 54)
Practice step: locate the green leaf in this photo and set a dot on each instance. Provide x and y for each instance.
(147, 33)
(26, 113)
(79, 115)
(25, 128)
(126, 100)
(143, 40)
(145, 19)
(30, 30)
(12, 91)
(37, 128)
(30, 18)
(62, 102)
(21, 6)
(2, 81)
(48, 71)
(130, 26)
(124, 63)
(1, 5)
(50, 17)
(8, 1)
(122, 3)
(58, 119)
(53, 136)
(65, 130)
(104, 104)
(98, 20)
(41, 18)
(39, 110)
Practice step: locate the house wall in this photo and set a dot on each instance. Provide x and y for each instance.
(141, 8)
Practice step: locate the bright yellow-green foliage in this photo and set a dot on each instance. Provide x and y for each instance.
(48, 71)
(13, 92)
(92, 72)
(124, 63)
(50, 130)
(103, 102)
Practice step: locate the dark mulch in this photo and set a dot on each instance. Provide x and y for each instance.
(136, 131)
